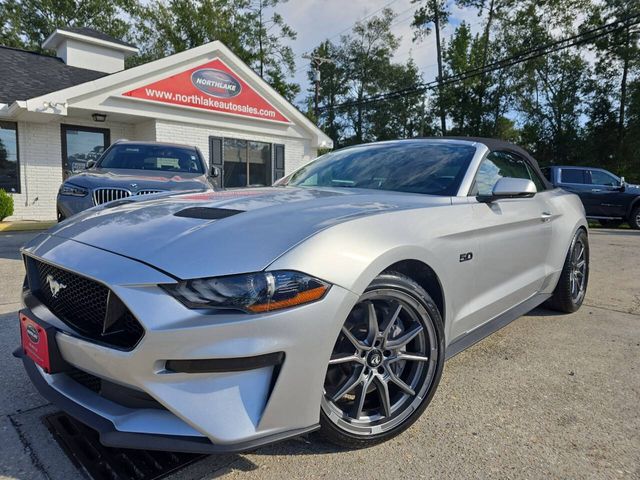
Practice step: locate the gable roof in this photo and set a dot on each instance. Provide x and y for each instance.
(97, 91)
(90, 32)
(31, 74)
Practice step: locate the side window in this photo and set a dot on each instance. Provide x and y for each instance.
(546, 171)
(602, 178)
(496, 166)
(573, 175)
(535, 178)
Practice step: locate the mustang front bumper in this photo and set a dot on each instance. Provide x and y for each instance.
(259, 379)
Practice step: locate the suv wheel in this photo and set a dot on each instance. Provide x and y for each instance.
(634, 220)
(385, 365)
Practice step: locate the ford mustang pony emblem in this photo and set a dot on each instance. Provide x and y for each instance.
(55, 286)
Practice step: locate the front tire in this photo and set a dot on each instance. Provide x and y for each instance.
(572, 285)
(385, 366)
(634, 219)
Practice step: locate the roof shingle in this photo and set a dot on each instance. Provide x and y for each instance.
(30, 74)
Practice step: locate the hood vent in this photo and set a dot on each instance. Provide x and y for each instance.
(207, 213)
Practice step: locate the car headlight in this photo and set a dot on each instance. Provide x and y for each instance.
(252, 293)
(73, 190)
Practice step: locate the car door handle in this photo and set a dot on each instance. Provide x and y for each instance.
(546, 216)
(596, 190)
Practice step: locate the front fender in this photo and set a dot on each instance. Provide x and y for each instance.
(352, 254)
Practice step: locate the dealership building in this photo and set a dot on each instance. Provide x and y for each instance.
(57, 113)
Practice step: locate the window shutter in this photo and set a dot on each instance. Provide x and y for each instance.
(278, 171)
(215, 159)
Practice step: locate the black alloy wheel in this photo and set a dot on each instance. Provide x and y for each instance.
(385, 365)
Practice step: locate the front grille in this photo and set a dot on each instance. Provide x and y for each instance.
(104, 195)
(83, 304)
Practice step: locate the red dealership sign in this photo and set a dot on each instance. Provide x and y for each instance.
(212, 86)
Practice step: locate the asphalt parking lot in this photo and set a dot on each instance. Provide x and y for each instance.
(549, 396)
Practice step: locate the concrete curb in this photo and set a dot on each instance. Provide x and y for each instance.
(26, 226)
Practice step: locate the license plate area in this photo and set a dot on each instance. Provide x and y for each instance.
(38, 340)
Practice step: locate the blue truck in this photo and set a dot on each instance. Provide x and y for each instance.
(607, 198)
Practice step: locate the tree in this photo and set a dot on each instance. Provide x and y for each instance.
(27, 23)
(433, 12)
(252, 29)
(366, 55)
(333, 88)
(600, 139)
(269, 31)
(495, 10)
(633, 133)
(618, 53)
(400, 117)
(458, 98)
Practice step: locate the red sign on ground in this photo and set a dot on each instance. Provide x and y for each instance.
(212, 86)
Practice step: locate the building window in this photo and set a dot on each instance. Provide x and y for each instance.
(9, 164)
(81, 144)
(246, 163)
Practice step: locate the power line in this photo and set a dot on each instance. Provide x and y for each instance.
(386, 5)
(586, 36)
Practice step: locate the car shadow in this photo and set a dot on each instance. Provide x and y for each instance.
(542, 312)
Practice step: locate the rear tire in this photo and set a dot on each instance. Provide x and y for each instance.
(572, 285)
(385, 366)
(634, 219)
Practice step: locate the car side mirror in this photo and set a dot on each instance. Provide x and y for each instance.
(90, 164)
(623, 184)
(214, 172)
(508, 187)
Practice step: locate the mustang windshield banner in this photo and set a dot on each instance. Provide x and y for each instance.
(212, 86)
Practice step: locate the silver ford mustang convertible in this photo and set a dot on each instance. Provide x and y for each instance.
(221, 321)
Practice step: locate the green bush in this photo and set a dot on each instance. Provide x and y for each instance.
(6, 205)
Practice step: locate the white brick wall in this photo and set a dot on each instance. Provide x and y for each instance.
(144, 131)
(297, 151)
(40, 156)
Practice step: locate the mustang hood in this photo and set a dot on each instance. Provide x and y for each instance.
(209, 234)
(143, 179)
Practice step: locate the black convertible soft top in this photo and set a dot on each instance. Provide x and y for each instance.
(494, 144)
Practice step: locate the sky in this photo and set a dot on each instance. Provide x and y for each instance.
(317, 20)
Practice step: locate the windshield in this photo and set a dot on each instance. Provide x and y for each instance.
(433, 168)
(152, 157)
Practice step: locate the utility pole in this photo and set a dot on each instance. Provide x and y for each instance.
(436, 22)
(316, 62)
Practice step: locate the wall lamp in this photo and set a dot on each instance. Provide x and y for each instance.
(99, 117)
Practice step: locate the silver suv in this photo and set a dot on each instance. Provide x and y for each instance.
(129, 168)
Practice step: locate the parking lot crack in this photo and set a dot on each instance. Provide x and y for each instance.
(35, 461)
(628, 312)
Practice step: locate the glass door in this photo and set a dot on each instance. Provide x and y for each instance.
(81, 144)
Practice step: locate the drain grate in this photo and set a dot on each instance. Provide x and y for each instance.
(83, 447)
